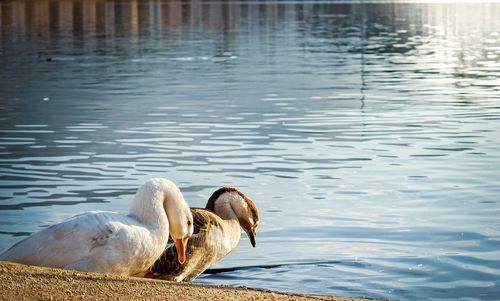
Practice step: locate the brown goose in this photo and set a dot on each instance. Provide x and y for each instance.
(216, 233)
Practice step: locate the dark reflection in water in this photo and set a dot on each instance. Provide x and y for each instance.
(366, 133)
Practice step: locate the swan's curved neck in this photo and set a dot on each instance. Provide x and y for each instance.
(153, 202)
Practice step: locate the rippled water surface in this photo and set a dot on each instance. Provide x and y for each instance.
(367, 134)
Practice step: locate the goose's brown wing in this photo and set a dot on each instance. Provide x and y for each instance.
(200, 253)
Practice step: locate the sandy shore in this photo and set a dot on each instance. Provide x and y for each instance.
(21, 282)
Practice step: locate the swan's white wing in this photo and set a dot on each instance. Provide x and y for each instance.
(72, 241)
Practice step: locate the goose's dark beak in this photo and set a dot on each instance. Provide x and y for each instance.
(251, 236)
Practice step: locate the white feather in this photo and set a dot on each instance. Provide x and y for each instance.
(109, 242)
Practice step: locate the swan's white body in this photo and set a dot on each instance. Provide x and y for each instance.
(109, 242)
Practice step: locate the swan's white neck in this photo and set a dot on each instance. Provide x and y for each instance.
(156, 201)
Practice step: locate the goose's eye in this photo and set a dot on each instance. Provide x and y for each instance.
(189, 223)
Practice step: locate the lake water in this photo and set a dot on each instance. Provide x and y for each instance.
(367, 134)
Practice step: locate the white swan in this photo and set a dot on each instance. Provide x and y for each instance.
(216, 233)
(108, 242)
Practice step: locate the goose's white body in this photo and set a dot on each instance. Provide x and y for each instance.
(109, 242)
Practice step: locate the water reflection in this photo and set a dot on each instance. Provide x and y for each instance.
(368, 132)
(389, 30)
(125, 18)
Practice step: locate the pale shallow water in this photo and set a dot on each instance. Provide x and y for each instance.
(367, 134)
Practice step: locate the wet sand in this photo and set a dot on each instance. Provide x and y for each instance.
(21, 282)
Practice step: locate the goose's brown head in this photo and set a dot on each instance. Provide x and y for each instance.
(242, 206)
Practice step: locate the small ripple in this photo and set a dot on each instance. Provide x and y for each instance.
(27, 131)
(449, 149)
(44, 159)
(428, 155)
(72, 141)
(24, 205)
(15, 234)
(31, 125)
